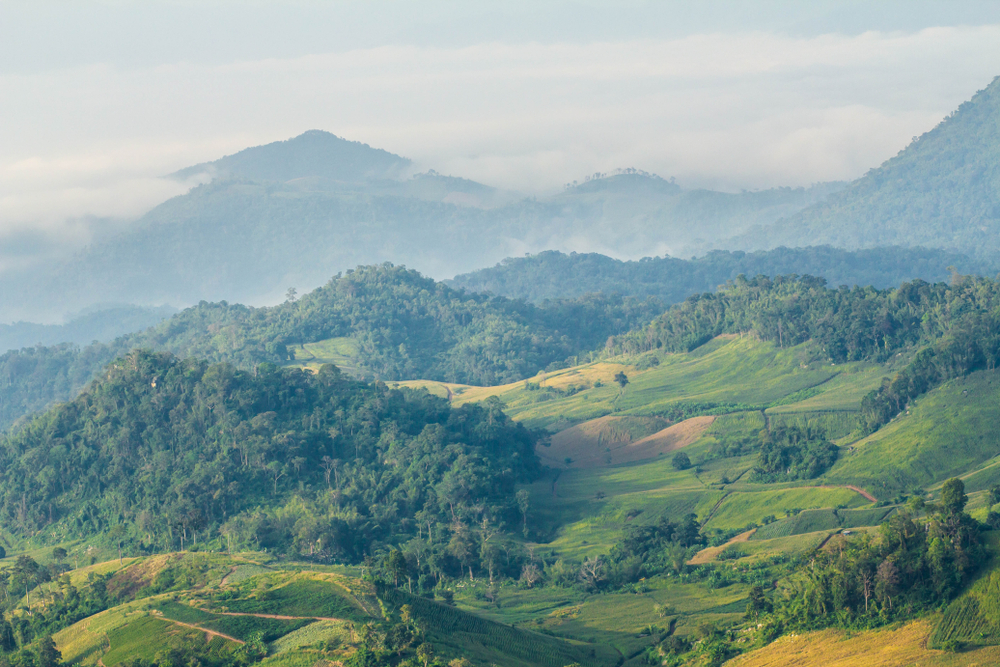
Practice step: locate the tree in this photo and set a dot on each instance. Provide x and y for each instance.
(48, 654)
(522, 505)
(395, 565)
(461, 547)
(329, 466)
(59, 554)
(276, 471)
(7, 640)
(530, 575)
(953, 496)
(425, 653)
(621, 379)
(887, 577)
(677, 557)
(757, 603)
(681, 461)
(592, 571)
(916, 503)
(994, 495)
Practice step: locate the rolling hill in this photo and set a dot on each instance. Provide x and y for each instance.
(590, 539)
(380, 321)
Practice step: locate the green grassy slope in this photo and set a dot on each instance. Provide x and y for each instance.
(949, 431)
(341, 352)
(487, 641)
(973, 619)
(726, 374)
(212, 617)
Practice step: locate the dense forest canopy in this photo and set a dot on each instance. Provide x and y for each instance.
(160, 450)
(406, 326)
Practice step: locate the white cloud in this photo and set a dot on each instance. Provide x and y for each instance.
(725, 110)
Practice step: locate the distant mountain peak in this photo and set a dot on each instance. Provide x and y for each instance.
(315, 153)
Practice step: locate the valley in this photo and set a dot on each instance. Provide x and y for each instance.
(610, 473)
(782, 451)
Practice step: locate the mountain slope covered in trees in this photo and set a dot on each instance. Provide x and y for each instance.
(164, 448)
(404, 326)
(683, 557)
(941, 191)
(553, 275)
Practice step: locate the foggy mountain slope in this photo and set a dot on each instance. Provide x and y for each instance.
(943, 190)
(314, 153)
(304, 219)
(637, 214)
(101, 324)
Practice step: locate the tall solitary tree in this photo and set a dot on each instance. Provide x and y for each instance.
(522, 505)
(953, 496)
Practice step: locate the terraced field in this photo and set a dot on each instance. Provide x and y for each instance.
(891, 647)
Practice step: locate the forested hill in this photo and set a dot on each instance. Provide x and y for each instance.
(403, 325)
(943, 190)
(551, 274)
(159, 451)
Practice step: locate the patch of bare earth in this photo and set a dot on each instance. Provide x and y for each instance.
(708, 554)
(606, 442)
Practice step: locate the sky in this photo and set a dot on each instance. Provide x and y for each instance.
(98, 100)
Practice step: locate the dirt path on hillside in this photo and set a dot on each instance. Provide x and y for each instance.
(856, 489)
(225, 579)
(708, 554)
(275, 616)
(209, 634)
(827, 539)
(714, 509)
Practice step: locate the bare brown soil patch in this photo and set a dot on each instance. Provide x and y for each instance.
(608, 441)
(127, 582)
(708, 554)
